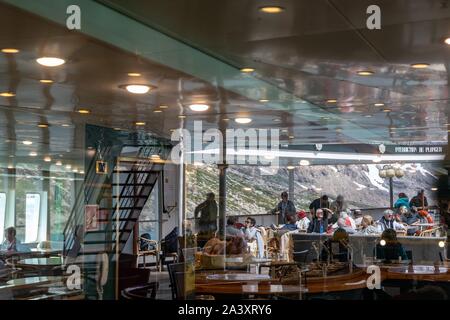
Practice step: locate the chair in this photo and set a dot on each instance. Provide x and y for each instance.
(145, 292)
(147, 247)
(169, 247)
(174, 268)
(428, 232)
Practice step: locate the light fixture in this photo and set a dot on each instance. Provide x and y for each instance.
(155, 156)
(181, 117)
(117, 129)
(199, 107)
(46, 81)
(247, 70)
(68, 167)
(379, 104)
(304, 162)
(43, 125)
(365, 73)
(83, 111)
(27, 142)
(157, 111)
(7, 94)
(291, 137)
(420, 65)
(138, 88)
(271, 9)
(434, 189)
(290, 167)
(33, 154)
(276, 120)
(58, 163)
(163, 107)
(243, 120)
(331, 101)
(65, 125)
(81, 172)
(139, 123)
(10, 50)
(134, 74)
(441, 244)
(387, 110)
(447, 41)
(382, 242)
(247, 189)
(50, 61)
(226, 119)
(47, 159)
(75, 170)
(263, 100)
(368, 116)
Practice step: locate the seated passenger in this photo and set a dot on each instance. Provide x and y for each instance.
(343, 224)
(349, 222)
(291, 223)
(409, 217)
(303, 221)
(318, 224)
(388, 222)
(337, 247)
(254, 237)
(231, 230)
(392, 248)
(368, 226)
(357, 215)
(11, 244)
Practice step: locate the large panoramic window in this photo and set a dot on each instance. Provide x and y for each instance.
(2, 213)
(32, 214)
(149, 217)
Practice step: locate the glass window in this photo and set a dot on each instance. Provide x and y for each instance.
(32, 210)
(149, 217)
(2, 213)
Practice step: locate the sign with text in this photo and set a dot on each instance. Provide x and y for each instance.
(417, 149)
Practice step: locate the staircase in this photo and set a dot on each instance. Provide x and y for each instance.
(121, 195)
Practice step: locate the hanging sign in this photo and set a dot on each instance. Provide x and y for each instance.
(101, 167)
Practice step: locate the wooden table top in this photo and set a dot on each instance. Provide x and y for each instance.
(259, 289)
(237, 277)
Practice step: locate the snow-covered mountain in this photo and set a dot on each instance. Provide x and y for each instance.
(250, 192)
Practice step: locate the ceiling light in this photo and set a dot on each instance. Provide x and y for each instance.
(27, 142)
(50, 61)
(10, 50)
(199, 107)
(7, 94)
(441, 244)
(243, 120)
(271, 9)
(68, 167)
(368, 116)
(291, 137)
(247, 70)
(117, 129)
(276, 120)
(290, 167)
(137, 88)
(46, 81)
(10, 166)
(163, 107)
(331, 101)
(140, 123)
(226, 119)
(383, 242)
(75, 170)
(58, 163)
(43, 125)
(247, 189)
(365, 73)
(47, 159)
(304, 162)
(181, 116)
(434, 189)
(155, 156)
(420, 65)
(33, 154)
(379, 104)
(387, 110)
(83, 111)
(157, 111)
(134, 74)
(65, 125)
(447, 41)
(263, 100)
(81, 172)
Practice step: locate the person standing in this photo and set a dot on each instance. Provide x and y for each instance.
(419, 201)
(320, 203)
(402, 201)
(206, 213)
(284, 207)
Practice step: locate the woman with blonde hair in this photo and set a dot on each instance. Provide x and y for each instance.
(368, 226)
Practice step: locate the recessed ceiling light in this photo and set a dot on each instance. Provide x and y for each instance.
(117, 129)
(247, 70)
(81, 172)
(263, 100)
(7, 94)
(304, 162)
(68, 167)
(27, 142)
(65, 125)
(10, 166)
(181, 116)
(46, 81)
(134, 74)
(43, 125)
(365, 73)
(447, 41)
(199, 107)
(157, 111)
(50, 61)
(247, 189)
(420, 65)
(290, 167)
(140, 123)
(271, 9)
(379, 104)
(10, 50)
(276, 120)
(83, 111)
(291, 137)
(33, 154)
(387, 110)
(155, 156)
(163, 107)
(58, 163)
(331, 101)
(75, 170)
(138, 88)
(226, 119)
(243, 120)
(47, 159)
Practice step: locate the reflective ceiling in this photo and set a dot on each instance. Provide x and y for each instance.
(193, 50)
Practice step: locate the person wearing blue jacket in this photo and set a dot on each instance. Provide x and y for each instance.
(402, 201)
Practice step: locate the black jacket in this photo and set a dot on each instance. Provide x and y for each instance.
(314, 226)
